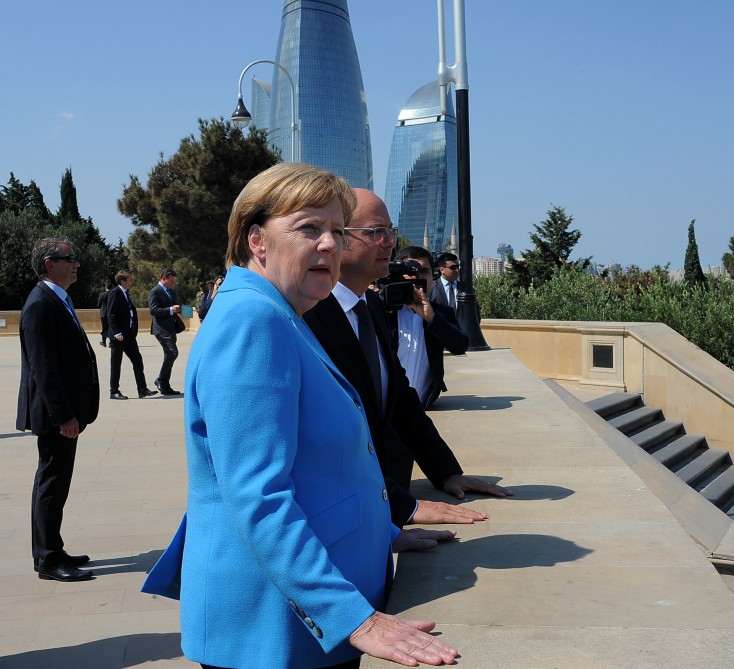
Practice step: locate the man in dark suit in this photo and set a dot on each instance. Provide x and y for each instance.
(123, 320)
(164, 308)
(394, 412)
(423, 329)
(445, 288)
(102, 305)
(58, 398)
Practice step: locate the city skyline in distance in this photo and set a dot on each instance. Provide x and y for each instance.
(619, 112)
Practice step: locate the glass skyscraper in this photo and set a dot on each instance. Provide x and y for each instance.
(316, 47)
(260, 105)
(422, 189)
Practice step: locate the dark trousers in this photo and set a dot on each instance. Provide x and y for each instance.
(105, 327)
(51, 485)
(170, 353)
(129, 346)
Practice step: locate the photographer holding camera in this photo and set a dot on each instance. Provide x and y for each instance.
(424, 328)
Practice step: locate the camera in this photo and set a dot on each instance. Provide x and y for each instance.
(397, 291)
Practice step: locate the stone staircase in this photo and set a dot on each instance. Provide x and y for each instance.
(709, 471)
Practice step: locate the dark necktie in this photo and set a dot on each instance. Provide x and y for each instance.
(368, 342)
(452, 295)
(73, 313)
(129, 306)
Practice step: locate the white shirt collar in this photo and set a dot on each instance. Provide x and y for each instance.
(346, 298)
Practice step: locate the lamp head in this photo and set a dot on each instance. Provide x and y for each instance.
(240, 116)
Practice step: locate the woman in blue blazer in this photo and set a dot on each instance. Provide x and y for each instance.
(285, 552)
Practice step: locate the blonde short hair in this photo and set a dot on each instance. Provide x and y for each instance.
(278, 191)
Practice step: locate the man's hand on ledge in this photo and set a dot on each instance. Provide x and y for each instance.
(419, 539)
(458, 484)
(432, 513)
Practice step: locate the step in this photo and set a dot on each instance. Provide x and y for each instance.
(614, 403)
(679, 449)
(636, 419)
(657, 433)
(721, 489)
(701, 465)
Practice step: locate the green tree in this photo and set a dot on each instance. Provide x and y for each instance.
(69, 209)
(692, 272)
(728, 258)
(24, 218)
(183, 210)
(553, 245)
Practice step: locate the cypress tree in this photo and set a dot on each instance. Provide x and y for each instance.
(69, 210)
(692, 272)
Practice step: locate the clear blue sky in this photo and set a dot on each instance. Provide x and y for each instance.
(620, 111)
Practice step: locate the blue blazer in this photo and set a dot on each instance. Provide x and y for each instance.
(287, 537)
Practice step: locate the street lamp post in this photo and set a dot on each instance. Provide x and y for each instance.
(242, 118)
(466, 298)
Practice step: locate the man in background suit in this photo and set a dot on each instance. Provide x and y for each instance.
(394, 411)
(57, 399)
(123, 320)
(423, 329)
(102, 304)
(164, 308)
(445, 288)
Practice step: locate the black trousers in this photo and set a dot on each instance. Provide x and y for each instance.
(128, 346)
(56, 455)
(170, 353)
(105, 327)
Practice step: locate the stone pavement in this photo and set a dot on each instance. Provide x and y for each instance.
(584, 568)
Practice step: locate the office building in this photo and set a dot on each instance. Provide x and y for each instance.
(316, 47)
(421, 190)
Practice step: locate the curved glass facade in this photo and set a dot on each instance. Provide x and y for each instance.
(260, 103)
(422, 189)
(316, 47)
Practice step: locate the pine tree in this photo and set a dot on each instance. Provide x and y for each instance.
(553, 245)
(692, 272)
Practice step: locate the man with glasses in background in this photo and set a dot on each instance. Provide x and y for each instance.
(58, 398)
(352, 326)
(445, 289)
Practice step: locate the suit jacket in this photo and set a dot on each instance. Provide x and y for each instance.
(160, 305)
(102, 303)
(287, 532)
(444, 332)
(438, 294)
(405, 421)
(118, 315)
(58, 374)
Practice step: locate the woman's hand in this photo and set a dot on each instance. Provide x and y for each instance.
(405, 642)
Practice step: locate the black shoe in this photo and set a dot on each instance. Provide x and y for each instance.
(102, 343)
(165, 390)
(117, 395)
(142, 394)
(65, 571)
(73, 560)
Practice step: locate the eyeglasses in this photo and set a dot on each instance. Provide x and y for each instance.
(69, 258)
(379, 234)
(453, 268)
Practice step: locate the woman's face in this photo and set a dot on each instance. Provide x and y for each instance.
(300, 253)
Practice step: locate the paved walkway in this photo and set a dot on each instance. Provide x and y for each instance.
(584, 568)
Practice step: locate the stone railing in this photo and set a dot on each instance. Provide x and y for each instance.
(647, 358)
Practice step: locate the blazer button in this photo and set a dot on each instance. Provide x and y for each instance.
(317, 631)
(370, 448)
(308, 621)
(384, 495)
(357, 404)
